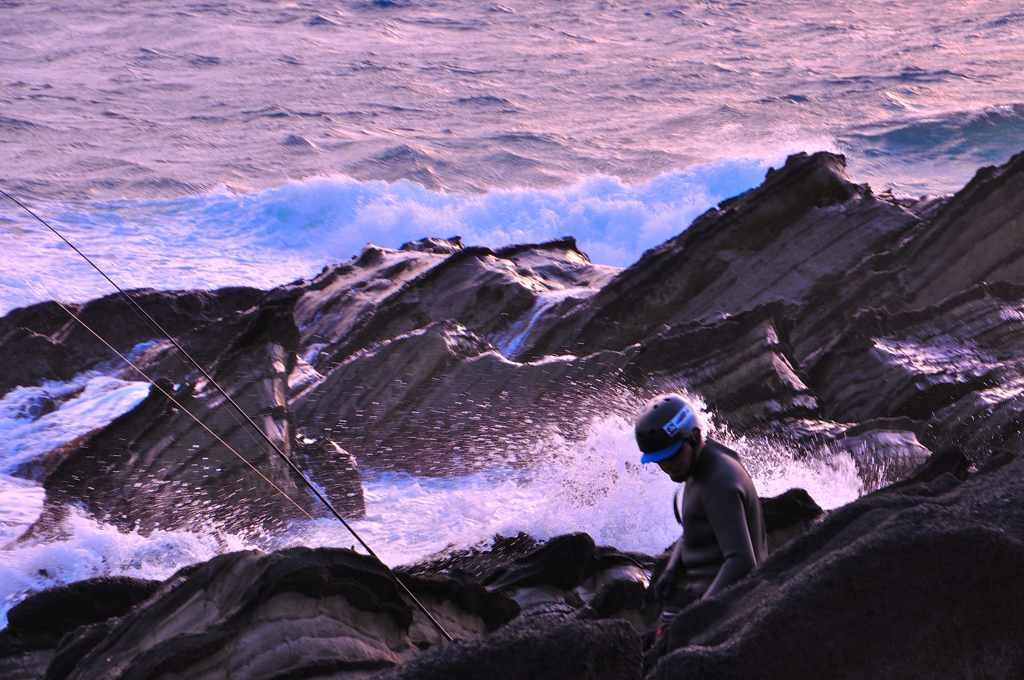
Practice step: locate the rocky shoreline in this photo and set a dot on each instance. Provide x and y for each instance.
(808, 310)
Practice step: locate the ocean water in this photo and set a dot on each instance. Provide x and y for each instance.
(193, 144)
(189, 144)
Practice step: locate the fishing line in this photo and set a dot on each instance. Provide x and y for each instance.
(323, 499)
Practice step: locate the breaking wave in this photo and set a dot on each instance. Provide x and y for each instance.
(272, 237)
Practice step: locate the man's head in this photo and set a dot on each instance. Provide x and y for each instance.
(668, 433)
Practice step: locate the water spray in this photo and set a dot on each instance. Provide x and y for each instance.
(155, 325)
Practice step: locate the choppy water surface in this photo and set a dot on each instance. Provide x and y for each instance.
(175, 140)
(174, 97)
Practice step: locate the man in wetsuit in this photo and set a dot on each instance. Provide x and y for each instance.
(723, 526)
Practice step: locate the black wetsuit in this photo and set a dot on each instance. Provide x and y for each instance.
(723, 526)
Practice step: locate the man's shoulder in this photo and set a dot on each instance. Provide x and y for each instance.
(719, 450)
(723, 466)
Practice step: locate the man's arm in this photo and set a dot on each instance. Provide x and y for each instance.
(667, 583)
(726, 513)
(675, 560)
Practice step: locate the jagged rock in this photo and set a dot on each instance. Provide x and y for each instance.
(738, 363)
(36, 625)
(571, 573)
(788, 515)
(294, 613)
(384, 293)
(156, 466)
(979, 225)
(567, 574)
(538, 648)
(922, 580)
(806, 222)
(977, 236)
(42, 342)
(437, 246)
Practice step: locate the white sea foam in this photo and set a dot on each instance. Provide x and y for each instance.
(81, 405)
(92, 549)
(22, 501)
(271, 237)
(595, 485)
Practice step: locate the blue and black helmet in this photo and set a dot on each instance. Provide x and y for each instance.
(665, 423)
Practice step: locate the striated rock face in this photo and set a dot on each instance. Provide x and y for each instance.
(42, 342)
(334, 613)
(295, 613)
(158, 466)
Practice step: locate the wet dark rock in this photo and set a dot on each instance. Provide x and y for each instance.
(36, 625)
(979, 224)
(563, 562)
(31, 358)
(571, 574)
(783, 306)
(788, 515)
(545, 647)
(294, 613)
(42, 342)
(156, 466)
(40, 621)
(480, 563)
(465, 592)
(918, 362)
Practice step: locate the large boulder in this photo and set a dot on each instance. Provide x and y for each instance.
(922, 580)
(185, 458)
(37, 624)
(539, 648)
(294, 613)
